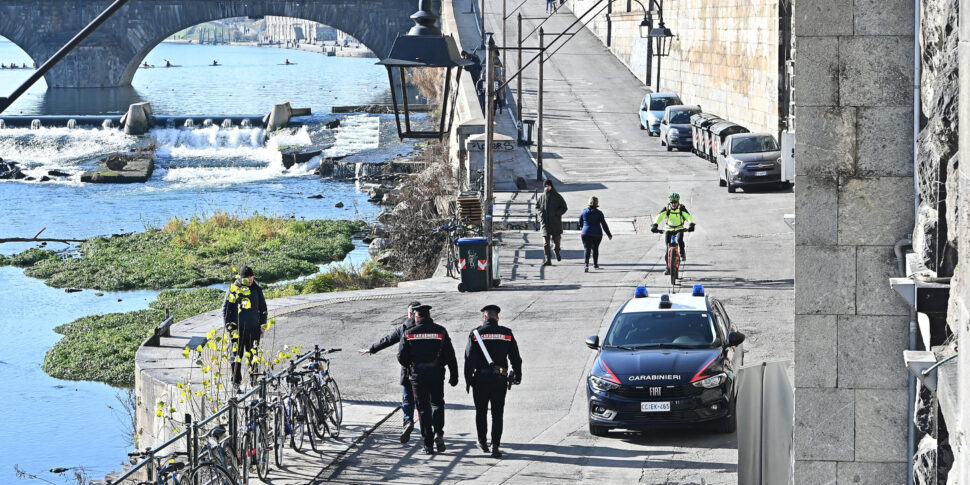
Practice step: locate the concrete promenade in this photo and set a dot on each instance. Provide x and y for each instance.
(741, 251)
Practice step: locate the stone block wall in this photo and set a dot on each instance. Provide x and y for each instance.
(853, 201)
(725, 57)
(959, 318)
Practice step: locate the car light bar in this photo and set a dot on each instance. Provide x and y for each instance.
(640, 292)
(698, 290)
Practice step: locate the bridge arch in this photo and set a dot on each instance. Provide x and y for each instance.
(110, 57)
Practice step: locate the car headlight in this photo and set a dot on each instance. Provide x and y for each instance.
(734, 165)
(675, 132)
(652, 118)
(601, 384)
(711, 382)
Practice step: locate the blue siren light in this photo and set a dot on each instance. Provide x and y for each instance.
(698, 290)
(640, 292)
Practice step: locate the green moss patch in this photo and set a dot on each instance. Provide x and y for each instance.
(102, 347)
(195, 252)
(340, 278)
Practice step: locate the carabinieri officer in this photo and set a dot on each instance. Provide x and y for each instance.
(490, 349)
(425, 350)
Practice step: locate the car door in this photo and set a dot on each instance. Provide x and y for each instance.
(735, 356)
(664, 125)
(644, 110)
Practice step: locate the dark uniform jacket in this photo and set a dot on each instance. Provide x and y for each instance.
(501, 346)
(247, 320)
(426, 349)
(391, 339)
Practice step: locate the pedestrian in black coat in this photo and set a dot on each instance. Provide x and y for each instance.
(426, 350)
(244, 313)
(407, 396)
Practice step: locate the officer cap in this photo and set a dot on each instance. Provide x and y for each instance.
(493, 308)
(423, 310)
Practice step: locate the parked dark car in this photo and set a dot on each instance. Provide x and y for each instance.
(748, 159)
(665, 360)
(675, 129)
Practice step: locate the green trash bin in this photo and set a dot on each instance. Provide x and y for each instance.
(473, 261)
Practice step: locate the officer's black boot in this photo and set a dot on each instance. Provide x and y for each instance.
(439, 442)
(483, 445)
(495, 451)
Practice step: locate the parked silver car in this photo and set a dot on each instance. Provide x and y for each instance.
(747, 159)
(652, 110)
(675, 127)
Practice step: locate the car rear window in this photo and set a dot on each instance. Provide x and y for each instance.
(680, 117)
(751, 144)
(659, 104)
(674, 329)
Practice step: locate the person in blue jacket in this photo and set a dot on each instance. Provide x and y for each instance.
(594, 225)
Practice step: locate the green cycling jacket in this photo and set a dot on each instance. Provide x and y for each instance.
(676, 218)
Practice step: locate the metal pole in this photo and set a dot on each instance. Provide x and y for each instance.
(489, 136)
(518, 82)
(505, 64)
(659, 56)
(483, 22)
(62, 52)
(542, 60)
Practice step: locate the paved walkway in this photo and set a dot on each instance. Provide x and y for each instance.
(742, 252)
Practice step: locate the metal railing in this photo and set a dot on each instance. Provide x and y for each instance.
(163, 329)
(196, 429)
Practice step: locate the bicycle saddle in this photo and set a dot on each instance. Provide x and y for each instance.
(218, 432)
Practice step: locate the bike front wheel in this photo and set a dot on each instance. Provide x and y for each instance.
(279, 435)
(339, 408)
(261, 449)
(210, 474)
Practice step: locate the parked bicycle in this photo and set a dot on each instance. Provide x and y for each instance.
(166, 469)
(218, 463)
(456, 230)
(326, 395)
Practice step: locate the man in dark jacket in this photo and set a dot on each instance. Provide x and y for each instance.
(490, 380)
(550, 206)
(425, 350)
(407, 397)
(244, 313)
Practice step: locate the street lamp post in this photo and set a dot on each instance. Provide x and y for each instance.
(423, 47)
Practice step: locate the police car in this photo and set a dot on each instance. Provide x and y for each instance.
(669, 359)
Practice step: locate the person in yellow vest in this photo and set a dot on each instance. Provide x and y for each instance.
(677, 217)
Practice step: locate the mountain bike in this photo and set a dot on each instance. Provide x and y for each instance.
(673, 258)
(256, 444)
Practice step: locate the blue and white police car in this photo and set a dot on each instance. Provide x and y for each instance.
(669, 359)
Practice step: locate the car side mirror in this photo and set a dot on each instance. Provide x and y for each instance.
(593, 342)
(664, 121)
(734, 339)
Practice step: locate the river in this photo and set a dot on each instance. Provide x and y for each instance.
(53, 423)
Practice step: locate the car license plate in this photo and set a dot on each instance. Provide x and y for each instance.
(760, 174)
(655, 407)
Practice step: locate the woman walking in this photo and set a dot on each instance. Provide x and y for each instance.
(594, 225)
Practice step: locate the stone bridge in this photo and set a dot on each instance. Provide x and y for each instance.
(110, 57)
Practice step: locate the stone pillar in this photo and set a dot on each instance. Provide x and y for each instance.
(853, 201)
(139, 119)
(279, 116)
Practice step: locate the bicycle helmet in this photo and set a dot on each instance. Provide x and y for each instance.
(674, 197)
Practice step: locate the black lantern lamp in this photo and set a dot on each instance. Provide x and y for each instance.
(663, 36)
(423, 47)
(645, 28)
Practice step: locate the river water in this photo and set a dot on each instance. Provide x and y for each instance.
(52, 423)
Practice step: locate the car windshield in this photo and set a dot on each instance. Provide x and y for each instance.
(663, 329)
(680, 117)
(754, 144)
(658, 104)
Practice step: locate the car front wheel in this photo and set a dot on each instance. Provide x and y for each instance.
(729, 423)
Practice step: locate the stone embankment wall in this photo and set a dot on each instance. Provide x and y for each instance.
(960, 290)
(853, 201)
(469, 118)
(725, 57)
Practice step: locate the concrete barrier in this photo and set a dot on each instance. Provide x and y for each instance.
(139, 119)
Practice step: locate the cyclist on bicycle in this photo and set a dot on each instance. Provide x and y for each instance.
(676, 216)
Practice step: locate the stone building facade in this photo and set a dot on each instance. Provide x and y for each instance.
(728, 56)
